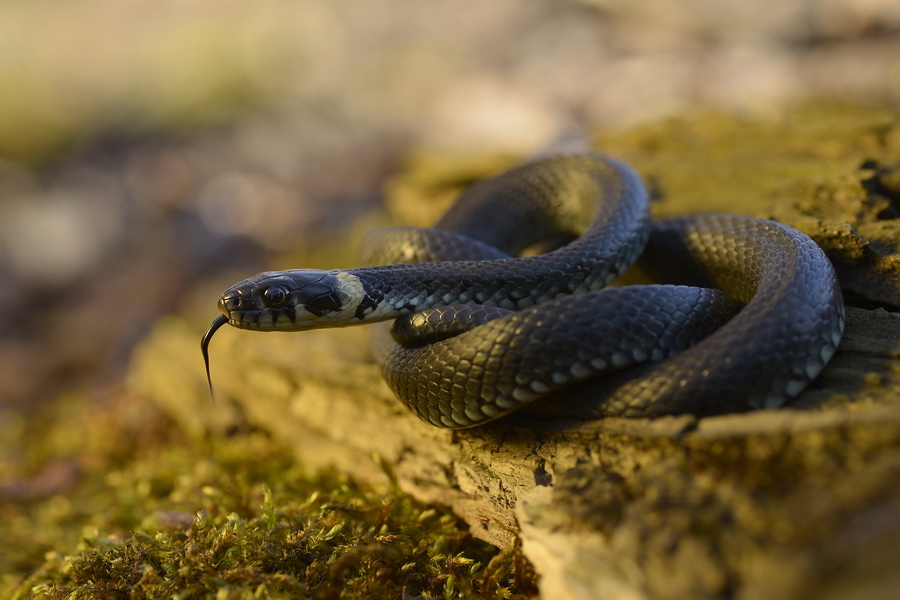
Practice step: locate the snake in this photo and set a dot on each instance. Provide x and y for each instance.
(510, 303)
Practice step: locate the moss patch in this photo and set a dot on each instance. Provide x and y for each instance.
(114, 502)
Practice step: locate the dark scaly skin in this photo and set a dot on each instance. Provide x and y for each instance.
(779, 342)
(509, 362)
(563, 191)
(765, 355)
(762, 357)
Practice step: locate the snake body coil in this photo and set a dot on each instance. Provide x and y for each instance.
(482, 332)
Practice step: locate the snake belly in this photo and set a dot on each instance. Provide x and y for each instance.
(748, 313)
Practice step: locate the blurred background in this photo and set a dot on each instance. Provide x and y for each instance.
(150, 151)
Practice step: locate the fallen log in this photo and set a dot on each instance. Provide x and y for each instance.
(798, 502)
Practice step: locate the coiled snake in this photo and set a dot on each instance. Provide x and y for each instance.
(481, 332)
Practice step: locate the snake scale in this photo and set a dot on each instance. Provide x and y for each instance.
(746, 314)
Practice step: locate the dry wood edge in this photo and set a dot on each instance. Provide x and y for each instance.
(320, 391)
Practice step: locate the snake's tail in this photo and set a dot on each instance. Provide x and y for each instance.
(204, 347)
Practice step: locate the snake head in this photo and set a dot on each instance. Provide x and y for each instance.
(289, 300)
(285, 301)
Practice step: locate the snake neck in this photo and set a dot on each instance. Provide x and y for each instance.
(570, 189)
(392, 291)
(604, 192)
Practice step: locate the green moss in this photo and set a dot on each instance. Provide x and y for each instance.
(151, 514)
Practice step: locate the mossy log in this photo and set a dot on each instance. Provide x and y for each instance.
(798, 502)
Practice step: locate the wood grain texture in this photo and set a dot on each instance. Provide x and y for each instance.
(586, 499)
(802, 502)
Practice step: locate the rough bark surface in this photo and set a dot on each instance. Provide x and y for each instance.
(799, 502)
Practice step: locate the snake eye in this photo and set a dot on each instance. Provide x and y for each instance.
(275, 296)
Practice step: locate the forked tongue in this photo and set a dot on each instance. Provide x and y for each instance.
(204, 347)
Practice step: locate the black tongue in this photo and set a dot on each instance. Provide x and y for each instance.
(204, 347)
